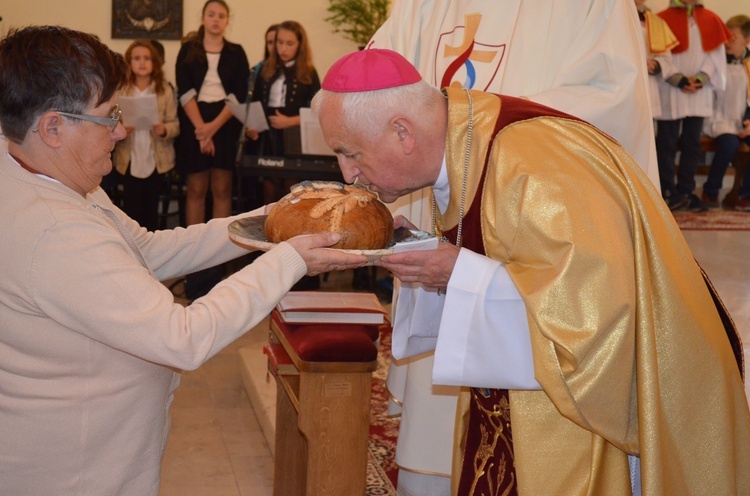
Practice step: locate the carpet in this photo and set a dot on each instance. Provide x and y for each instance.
(713, 220)
(382, 471)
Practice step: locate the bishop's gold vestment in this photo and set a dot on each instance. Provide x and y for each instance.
(627, 343)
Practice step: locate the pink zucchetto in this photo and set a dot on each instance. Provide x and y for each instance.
(368, 70)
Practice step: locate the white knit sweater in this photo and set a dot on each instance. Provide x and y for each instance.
(90, 339)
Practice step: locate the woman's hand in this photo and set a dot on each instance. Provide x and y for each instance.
(160, 130)
(207, 147)
(319, 259)
(206, 131)
(281, 121)
(252, 134)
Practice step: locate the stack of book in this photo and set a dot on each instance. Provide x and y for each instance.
(317, 326)
(318, 307)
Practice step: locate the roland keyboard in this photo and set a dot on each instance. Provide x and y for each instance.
(300, 167)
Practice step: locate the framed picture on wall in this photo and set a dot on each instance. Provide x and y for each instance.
(159, 19)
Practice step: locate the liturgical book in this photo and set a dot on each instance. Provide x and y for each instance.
(319, 307)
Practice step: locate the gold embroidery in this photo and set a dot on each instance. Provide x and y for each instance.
(499, 419)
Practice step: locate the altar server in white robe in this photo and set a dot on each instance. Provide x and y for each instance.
(587, 60)
(659, 42)
(686, 97)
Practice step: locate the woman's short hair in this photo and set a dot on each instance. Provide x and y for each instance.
(368, 113)
(46, 68)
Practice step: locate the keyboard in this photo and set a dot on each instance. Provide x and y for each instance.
(313, 167)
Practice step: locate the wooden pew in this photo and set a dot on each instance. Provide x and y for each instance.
(322, 412)
(739, 163)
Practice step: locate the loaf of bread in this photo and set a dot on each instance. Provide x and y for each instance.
(318, 206)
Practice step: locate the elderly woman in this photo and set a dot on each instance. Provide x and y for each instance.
(89, 337)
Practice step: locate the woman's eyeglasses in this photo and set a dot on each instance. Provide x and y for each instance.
(110, 121)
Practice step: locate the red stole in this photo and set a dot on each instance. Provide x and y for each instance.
(713, 31)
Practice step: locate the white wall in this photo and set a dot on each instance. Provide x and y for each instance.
(248, 22)
(724, 8)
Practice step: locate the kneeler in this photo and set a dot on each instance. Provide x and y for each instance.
(323, 377)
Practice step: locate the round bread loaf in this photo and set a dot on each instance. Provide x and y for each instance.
(318, 206)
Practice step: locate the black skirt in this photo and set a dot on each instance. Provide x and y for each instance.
(226, 140)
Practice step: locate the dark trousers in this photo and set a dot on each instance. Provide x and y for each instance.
(141, 199)
(726, 149)
(667, 136)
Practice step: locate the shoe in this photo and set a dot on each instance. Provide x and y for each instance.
(710, 201)
(677, 201)
(743, 205)
(695, 204)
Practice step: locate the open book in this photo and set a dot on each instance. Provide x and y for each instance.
(314, 307)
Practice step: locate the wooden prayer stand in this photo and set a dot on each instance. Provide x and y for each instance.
(322, 417)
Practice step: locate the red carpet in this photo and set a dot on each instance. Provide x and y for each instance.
(381, 469)
(713, 220)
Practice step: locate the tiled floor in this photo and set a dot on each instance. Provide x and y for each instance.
(217, 448)
(217, 445)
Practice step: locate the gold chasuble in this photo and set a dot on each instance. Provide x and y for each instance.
(627, 342)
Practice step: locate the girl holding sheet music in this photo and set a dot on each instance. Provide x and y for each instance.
(146, 154)
(287, 82)
(209, 70)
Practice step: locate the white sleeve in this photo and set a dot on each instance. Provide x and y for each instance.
(187, 96)
(484, 336)
(715, 65)
(601, 73)
(668, 69)
(416, 321)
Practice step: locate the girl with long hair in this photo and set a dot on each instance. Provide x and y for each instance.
(209, 69)
(287, 82)
(145, 156)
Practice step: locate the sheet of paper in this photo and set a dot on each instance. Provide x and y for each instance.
(140, 112)
(311, 135)
(256, 118)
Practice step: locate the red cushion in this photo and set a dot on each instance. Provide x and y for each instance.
(330, 342)
(279, 359)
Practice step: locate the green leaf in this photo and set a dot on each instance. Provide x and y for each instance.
(357, 20)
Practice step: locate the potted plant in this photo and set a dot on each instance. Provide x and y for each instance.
(357, 19)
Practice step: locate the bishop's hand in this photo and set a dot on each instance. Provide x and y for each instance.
(431, 268)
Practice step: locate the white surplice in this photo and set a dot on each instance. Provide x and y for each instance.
(667, 69)
(729, 104)
(675, 103)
